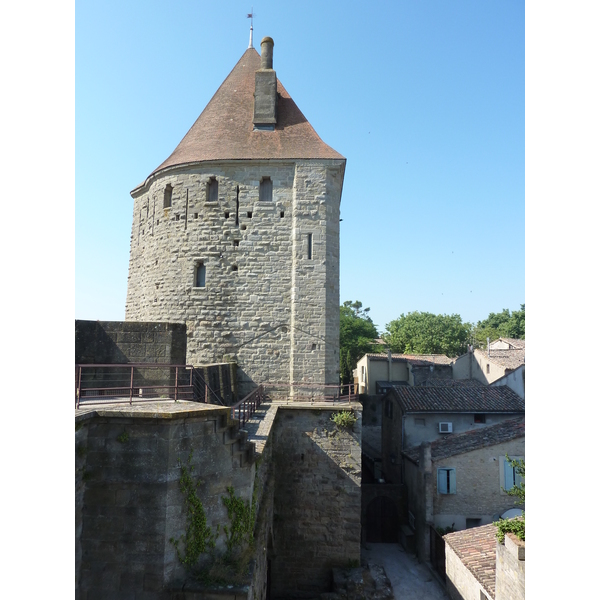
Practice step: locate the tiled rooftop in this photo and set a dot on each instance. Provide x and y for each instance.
(415, 359)
(509, 358)
(459, 443)
(442, 382)
(476, 548)
(225, 128)
(514, 342)
(464, 398)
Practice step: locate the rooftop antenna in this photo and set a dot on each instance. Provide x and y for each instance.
(251, 17)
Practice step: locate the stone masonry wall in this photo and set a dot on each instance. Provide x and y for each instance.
(265, 301)
(317, 505)
(460, 582)
(128, 501)
(478, 485)
(117, 342)
(510, 569)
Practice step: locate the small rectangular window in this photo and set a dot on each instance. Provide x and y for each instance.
(446, 481)
(168, 196)
(473, 523)
(213, 190)
(265, 190)
(200, 275)
(389, 409)
(309, 249)
(479, 419)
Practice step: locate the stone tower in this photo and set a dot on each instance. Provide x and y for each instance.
(236, 234)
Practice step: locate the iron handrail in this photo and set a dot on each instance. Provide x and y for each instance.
(247, 406)
(131, 389)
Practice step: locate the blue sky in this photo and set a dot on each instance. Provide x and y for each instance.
(426, 100)
(94, 101)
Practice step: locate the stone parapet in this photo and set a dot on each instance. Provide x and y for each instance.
(510, 569)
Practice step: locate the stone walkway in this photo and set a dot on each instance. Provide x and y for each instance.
(260, 423)
(410, 579)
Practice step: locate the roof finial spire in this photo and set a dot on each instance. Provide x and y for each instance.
(251, 17)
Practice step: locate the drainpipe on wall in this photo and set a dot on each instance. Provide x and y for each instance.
(389, 365)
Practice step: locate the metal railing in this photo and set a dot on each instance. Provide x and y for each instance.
(313, 392)
(202, 391)
(120, 383)
(246, 407)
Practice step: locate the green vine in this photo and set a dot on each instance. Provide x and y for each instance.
(232, 566)
(198, 536)
(123, 438)
(516, 525)
(242, 517)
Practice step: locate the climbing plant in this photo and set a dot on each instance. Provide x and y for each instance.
(241, 514)
(199, 539)
(516, 525)
(198, 536)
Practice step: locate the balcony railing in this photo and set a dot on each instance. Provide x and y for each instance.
(126, 383)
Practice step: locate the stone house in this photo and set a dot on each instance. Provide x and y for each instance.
(460, 481)
(376, 373)
(503, 363)
(412, 415)
(479, 567)
(236, 235)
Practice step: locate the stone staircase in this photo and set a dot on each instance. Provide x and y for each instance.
(242, 449)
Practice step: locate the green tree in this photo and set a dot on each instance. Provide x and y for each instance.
(357, 337)
(426, 333)
(516, 525)
(502, 324)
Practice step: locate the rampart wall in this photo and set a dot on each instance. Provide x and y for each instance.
(130, 507)
(317, 506)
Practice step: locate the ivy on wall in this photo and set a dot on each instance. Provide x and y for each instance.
(199, 539)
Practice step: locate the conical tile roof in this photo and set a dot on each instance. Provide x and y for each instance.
(224, 130)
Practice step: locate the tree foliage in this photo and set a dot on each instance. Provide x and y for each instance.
(516, 525)
(426, 333)
(503, 324)
(357, 337)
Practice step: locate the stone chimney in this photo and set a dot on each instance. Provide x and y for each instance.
(265, 89)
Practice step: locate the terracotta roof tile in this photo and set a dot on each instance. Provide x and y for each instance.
(459, 443)
(415, 359)
(224, 130)
(510, 358)
(514, 342)
(476, 548)
(458, 399)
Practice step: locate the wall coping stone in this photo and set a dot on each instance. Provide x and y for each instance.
(151, 410)
(515, 546)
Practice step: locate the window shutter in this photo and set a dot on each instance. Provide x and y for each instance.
(442, 481)
(452, 489)
(509, 478)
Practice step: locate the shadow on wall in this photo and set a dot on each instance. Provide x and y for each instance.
(317, 501)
